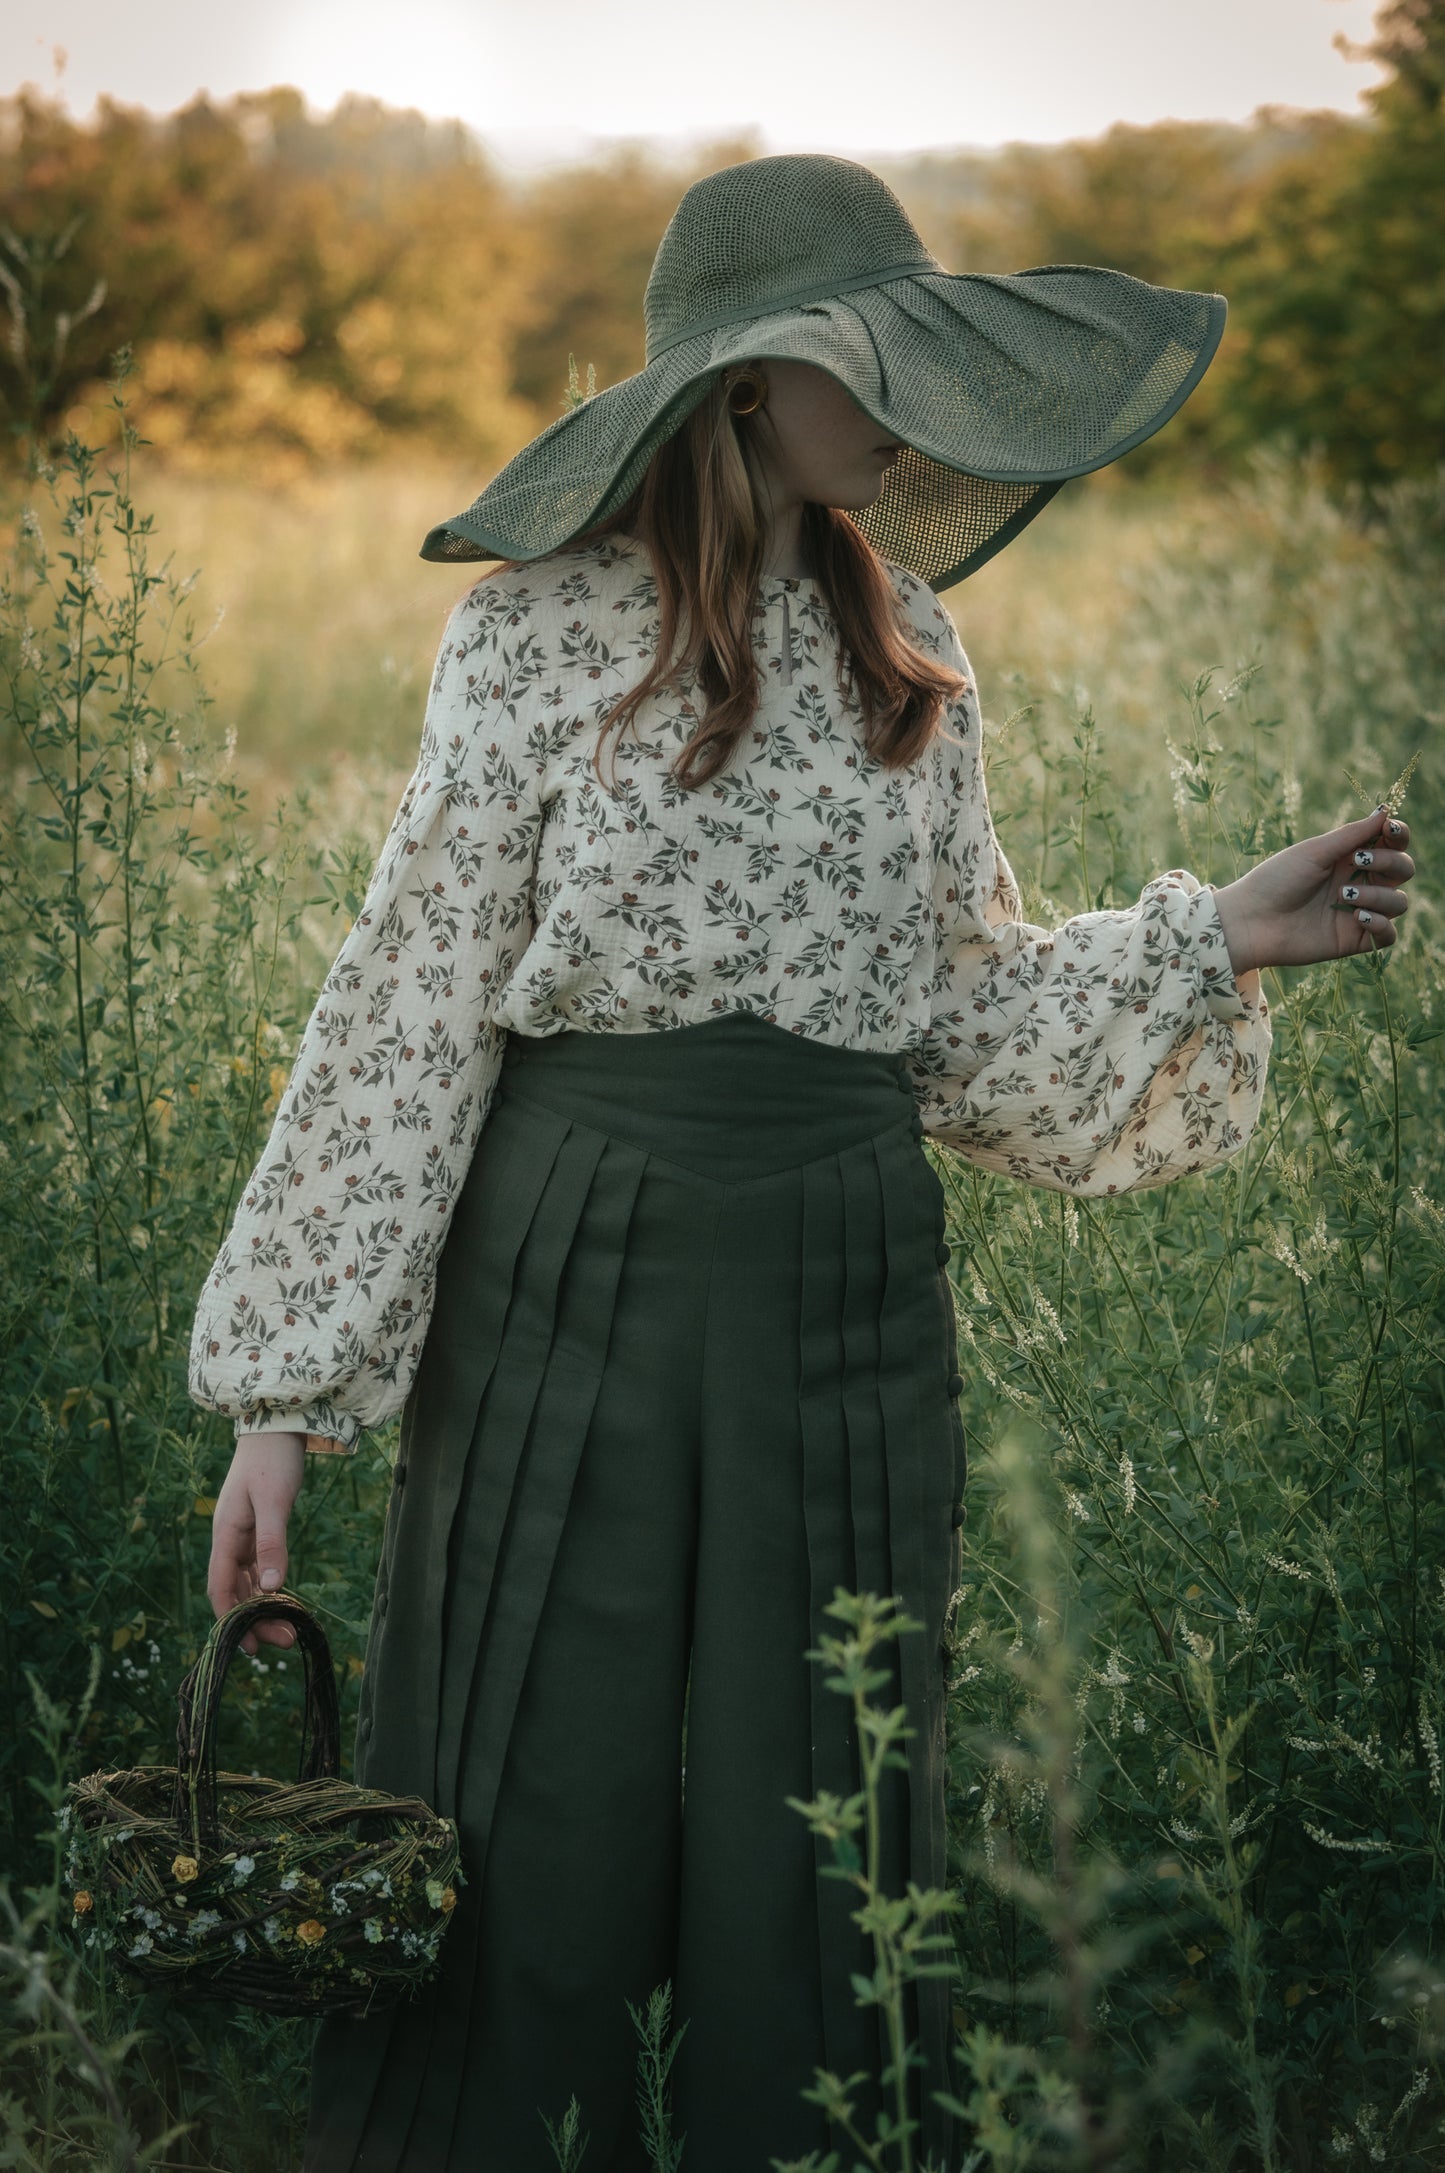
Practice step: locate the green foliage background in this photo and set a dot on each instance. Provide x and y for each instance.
(301, 290)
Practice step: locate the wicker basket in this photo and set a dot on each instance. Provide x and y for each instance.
(313, 1897)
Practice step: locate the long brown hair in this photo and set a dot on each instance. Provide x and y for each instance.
(699, 514)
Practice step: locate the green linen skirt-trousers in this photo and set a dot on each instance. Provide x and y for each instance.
(690, 1368)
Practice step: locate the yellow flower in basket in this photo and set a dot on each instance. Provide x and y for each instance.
(184, 1868)
(310, 1933)
(81, 1902)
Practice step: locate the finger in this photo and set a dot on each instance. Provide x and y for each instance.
(1378, 864)
(1375, 898)
(271, 1567)
(1371, 931)
(1367, 830)
(228, 1578)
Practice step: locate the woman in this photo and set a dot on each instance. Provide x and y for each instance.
(601, 1158)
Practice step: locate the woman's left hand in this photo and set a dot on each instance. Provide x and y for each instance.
(1327, 897)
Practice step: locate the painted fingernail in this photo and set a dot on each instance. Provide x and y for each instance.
(1364, 858)
(1364, 918)
(1396, 829)
(1350, 892)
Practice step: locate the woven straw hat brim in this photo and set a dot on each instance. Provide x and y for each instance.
(1001, 387)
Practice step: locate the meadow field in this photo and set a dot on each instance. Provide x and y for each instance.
(1199, 1648)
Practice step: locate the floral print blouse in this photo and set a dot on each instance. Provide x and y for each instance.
(806, 883)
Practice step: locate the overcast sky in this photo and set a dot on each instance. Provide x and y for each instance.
(542, 83)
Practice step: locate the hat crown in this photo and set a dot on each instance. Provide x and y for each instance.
(760, 236)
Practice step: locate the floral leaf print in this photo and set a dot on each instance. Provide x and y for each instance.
(749, 801)
(817, 956)
(727, 907)
(841, 871)
(775, 743)
(796, 898)
(675, 860)
(583, 646)
(814, 724)
(844, 818)
(806, 884)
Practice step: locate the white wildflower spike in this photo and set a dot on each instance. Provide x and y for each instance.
(1042, 1306)
(1413, 2095)
(1334, 1841)
(1429, 1743)
(1278, 1246)
(1126, 1481)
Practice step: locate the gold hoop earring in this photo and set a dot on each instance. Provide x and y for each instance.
(758, 384)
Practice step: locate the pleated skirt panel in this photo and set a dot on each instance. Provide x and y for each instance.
(690, 1369)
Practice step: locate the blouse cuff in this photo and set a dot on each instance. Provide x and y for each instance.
(328, 1432)
(1227, 995)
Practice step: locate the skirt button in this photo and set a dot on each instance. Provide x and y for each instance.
(959, 1513)
(916, 1127)
(955, 1384)
(943, 1253)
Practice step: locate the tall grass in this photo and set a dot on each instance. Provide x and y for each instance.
(1198, 1675)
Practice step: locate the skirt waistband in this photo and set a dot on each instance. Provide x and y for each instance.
(731, 1096)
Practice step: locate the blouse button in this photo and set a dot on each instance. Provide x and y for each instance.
(955, 1384)
(916, 1127)
(943, 1252)
(400, 1475)
(959, 1513)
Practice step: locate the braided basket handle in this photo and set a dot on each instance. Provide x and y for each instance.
(194, 1806)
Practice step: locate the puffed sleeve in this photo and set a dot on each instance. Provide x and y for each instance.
(1117, 1051)
(314, 1313)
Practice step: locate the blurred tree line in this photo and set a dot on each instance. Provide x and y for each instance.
(303, 289)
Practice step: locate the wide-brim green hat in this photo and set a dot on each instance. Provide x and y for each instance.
(999, 386)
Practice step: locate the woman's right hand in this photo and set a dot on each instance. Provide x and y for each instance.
(248, 1527)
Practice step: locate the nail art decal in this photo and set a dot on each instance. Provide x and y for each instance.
(1364, 858)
